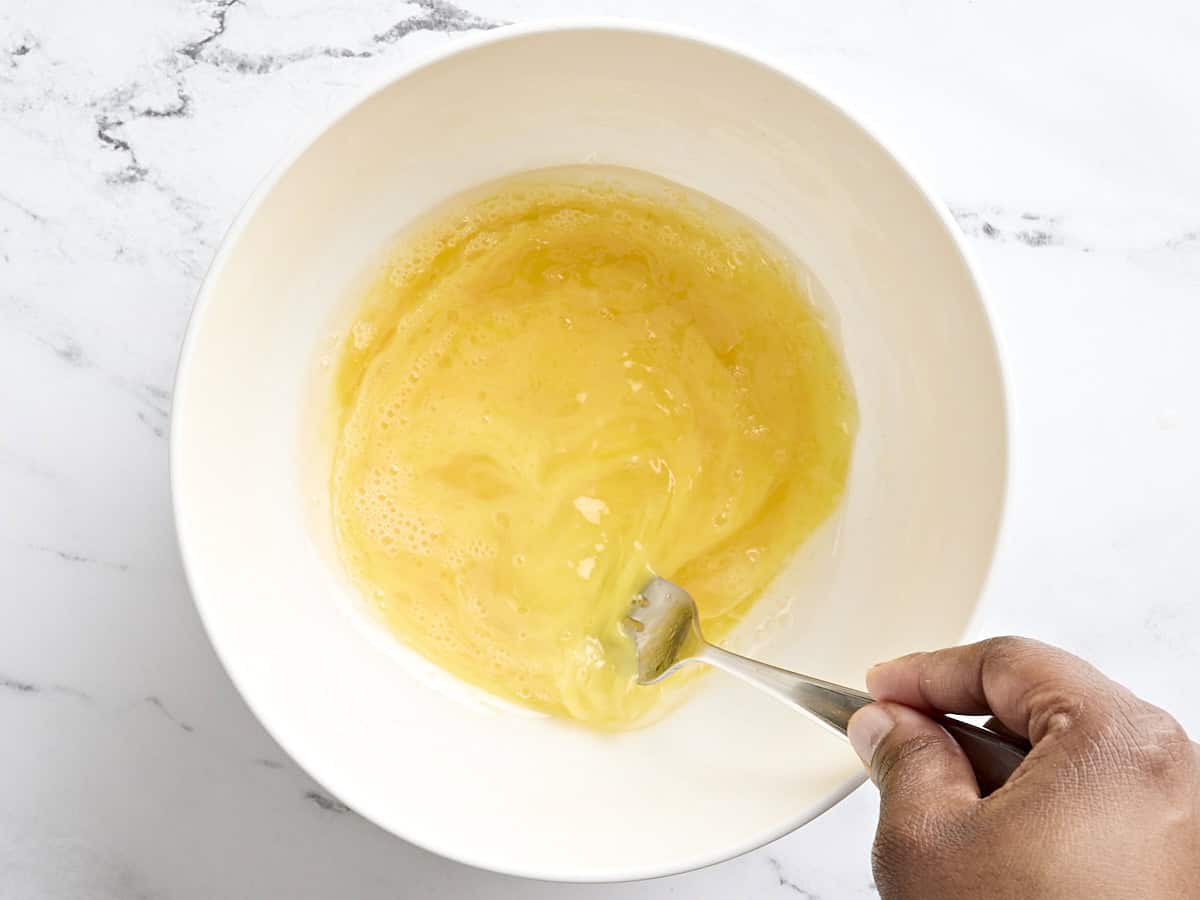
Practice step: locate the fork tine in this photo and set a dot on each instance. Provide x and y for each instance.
(662, 622)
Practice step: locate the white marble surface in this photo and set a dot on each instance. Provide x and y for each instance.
(1064, 135)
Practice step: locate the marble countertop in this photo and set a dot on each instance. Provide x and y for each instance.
(1064, 137)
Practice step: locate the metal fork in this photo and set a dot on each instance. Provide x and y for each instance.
(665, 627)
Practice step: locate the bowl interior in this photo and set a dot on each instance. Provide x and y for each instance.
(899, 569)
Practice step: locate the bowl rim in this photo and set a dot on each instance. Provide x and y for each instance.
(301, 145)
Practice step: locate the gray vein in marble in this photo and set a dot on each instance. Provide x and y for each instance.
(318, 798)
(158, 704)
(436, 16)
(115, 109)
(219, 14)
(265, 63)
(72, 557)
(157, 430)
(48, 860)
(785, 882)
(26, 465)
(21, 686)
(180, 109)
(24, 47)
(21, 207)
(439, 16)
(154, 413)
(133, 171)
(1031, 229)
(152, 399)
(66, 348)
(327, 803)
(1037, 230)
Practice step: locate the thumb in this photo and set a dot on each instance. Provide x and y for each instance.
(925, 788)
(918, 768)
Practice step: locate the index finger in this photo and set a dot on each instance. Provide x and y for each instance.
(1031, 687)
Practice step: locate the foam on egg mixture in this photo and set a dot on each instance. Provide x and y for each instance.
(559, 388)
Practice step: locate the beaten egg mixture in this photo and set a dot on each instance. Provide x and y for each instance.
(557, 389)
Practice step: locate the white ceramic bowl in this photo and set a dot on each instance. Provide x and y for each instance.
(900, 569)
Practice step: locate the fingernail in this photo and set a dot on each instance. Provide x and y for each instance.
(867, 729)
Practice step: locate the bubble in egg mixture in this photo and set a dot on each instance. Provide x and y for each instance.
(572, 380)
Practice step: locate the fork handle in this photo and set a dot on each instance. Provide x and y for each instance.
(992, 755)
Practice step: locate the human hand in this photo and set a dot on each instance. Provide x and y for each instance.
(1106, 805)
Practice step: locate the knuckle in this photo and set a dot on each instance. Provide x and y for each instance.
(1163, 729)
(1006, 642)
(1133, 746)
(1009, 649)
(1000, 656)
(1052, 710)
(1051, 695)
(1154, 744)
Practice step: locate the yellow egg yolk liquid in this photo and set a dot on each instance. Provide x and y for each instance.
(555, 391)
